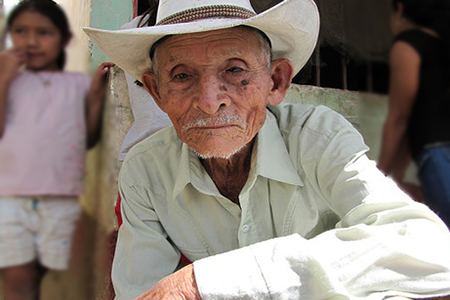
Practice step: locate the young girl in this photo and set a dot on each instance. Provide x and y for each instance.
(48, 118)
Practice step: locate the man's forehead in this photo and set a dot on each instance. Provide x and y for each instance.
(243, 34)
(233, 33)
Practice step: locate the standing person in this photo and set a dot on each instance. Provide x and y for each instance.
(48, 118)
(148, 117)
(269, 200)
(419, 98)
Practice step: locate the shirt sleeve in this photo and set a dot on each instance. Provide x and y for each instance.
(385, 245)
(144, 254)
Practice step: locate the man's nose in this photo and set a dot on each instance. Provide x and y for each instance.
(211, 94)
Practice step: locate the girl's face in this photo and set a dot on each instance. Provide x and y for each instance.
(39, 38)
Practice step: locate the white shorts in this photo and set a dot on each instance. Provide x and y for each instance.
(37, 228)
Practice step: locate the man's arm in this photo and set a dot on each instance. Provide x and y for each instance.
(180, 285)
(386, 244)
(144, 254)
(404, 83)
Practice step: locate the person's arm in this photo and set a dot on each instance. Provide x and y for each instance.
(385, 245)
(180, 285)
(10, 62)
(404, 84)
(4, 85)
(144, 254)
(95, 100)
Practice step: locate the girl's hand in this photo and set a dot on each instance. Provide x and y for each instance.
(97, 90)
(10, 62)
(95, 99)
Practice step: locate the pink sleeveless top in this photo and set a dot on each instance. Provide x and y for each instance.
(43, 148)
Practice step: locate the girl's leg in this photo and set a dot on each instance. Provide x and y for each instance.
(23, 282)
(434, 174)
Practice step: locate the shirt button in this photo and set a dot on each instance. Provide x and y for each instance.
(245, 228)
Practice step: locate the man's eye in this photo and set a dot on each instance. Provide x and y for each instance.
(181, 76)
(234, 70)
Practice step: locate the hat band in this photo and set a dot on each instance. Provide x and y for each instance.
(206, 12)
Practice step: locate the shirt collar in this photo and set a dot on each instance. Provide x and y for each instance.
(192, 171)
(270, 159)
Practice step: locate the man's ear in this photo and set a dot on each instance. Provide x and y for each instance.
(149, 81)
(282, 72)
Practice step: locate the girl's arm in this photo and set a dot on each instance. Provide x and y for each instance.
(10, 62)
(403, 87)
(95, 100)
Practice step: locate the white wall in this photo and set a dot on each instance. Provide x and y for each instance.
(78, 12)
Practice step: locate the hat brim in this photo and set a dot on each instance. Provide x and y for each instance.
(292, 27)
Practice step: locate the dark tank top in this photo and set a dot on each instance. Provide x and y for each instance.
(430, 119)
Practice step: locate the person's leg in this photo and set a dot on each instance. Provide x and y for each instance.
(22, 282)
(434, 174)
(18, 270)
(58, 219)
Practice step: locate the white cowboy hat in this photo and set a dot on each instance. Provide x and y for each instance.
(292, 27)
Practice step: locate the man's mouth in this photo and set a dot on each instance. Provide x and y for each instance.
(212, 127)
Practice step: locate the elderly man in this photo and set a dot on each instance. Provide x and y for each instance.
(269, 200)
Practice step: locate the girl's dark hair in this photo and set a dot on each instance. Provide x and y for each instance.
(52, 11)
(433, 14)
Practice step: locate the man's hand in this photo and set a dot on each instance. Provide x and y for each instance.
(179, 285)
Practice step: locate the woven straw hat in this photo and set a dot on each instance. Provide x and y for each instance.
(292, 27)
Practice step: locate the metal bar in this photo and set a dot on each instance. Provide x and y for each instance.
(344, 72)
(317, 59)
(369, 77)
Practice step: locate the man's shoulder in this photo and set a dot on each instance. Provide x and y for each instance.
(318, 118)
(162, 143)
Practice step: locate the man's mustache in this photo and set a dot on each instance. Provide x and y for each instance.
(218, 121)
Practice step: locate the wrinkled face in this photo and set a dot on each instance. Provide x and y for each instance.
(215, 87)
(39, 37)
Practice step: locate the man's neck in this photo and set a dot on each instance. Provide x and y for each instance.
(230, 175)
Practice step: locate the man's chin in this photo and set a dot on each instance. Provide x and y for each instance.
(218, 154)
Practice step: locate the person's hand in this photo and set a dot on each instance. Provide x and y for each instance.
(95, 100)
(179, 285)
(10, 62)
(97, 89)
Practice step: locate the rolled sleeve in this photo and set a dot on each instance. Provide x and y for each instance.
(358, 262)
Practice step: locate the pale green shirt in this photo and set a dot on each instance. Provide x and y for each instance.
(334, 226)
